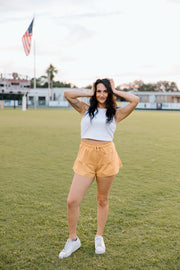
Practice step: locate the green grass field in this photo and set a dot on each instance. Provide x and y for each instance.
(37, 151)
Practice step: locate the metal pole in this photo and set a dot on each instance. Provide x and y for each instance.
(34, 65)
(34, 75)
(14, 103)
(27, 100)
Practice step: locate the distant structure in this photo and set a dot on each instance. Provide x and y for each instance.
(14, 83)
(12, 88)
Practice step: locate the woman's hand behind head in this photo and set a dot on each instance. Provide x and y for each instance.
(92, 89)
(112, 84)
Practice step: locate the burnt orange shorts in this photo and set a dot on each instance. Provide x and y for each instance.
(99, 160)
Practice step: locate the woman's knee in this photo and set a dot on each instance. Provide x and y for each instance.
(71, 201)
(102, 201)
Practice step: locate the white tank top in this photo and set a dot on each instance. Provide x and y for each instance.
(97, 128)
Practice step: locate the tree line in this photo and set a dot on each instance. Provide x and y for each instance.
(160, 86)
(47, 80)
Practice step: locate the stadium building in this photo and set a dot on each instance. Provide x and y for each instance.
(12, 88)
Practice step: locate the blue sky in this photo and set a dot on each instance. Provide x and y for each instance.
(85, 40)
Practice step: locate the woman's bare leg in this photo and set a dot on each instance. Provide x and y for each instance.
(103, 189)
(80, 185)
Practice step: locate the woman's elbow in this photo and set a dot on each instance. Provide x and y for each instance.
(137, 99)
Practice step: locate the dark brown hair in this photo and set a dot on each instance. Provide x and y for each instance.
(110, 101)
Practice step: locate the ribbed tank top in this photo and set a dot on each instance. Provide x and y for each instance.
(97, 128)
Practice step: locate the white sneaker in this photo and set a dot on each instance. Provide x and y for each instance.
(69, 248)
(99, 245)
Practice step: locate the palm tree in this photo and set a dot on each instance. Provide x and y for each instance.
(51, 70)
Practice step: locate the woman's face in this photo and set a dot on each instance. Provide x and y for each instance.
(101, 94)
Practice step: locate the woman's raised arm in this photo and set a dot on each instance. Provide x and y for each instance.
(122, 113)
(78, 105)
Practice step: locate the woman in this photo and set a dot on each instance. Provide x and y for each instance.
(97, 155)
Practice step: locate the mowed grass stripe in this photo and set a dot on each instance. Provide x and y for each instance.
(37, 151)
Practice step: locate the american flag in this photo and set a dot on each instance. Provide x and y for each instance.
(26, 39)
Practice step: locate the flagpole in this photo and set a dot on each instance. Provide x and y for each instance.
(34, 65)
(35, 102)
